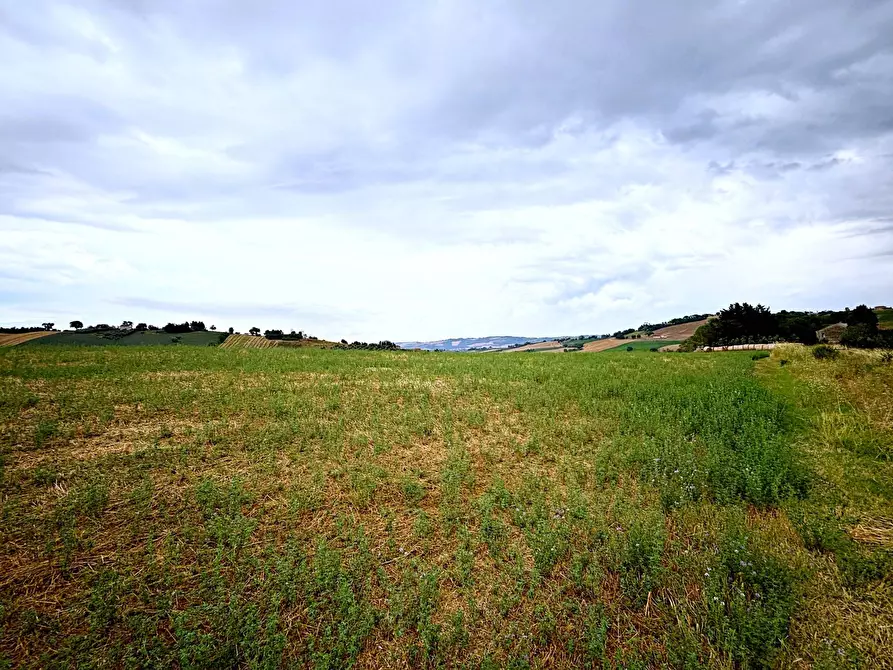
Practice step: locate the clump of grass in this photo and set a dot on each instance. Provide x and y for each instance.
(824, 352)
(750, 598)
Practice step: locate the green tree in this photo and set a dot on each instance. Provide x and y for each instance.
(48, 325)
(254, 331)
(862, 315)
(77, 325)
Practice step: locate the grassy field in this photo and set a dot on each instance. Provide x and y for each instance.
(204, 508)
(137, 338)
(885, 318)
(644, 345)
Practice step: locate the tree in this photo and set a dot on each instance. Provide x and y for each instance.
(862, 315)
(77, 325)
(141, 326)
(126, 325)
(48, 325)
(213, 327)
(254, 331)
(230, 330)
(197, 326)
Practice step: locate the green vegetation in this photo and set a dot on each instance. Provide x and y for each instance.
(642, 345)
(742, 323)
(262, 508)
(131, 338)
(885, 319)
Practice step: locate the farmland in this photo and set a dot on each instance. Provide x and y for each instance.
(209, 507)
(134, 338)
(14, 339)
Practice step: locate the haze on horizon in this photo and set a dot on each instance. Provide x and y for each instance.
(418, 171)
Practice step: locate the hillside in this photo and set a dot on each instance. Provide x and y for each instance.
(135, 338)
(679, 332)
(12, 339)
(472, 343)
(252, 342)
(884, 318)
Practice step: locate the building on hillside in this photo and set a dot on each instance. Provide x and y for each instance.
(831, 334)
(881, 307)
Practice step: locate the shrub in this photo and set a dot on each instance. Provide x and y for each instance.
(653, 349)
(629, 348)
(823, 351)
(759, 356)
(887, 357)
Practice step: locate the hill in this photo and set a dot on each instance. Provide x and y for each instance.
(12, 339)
(681, 331)
(473, 343)
(884, 318)
(135, 338)
(252, 342)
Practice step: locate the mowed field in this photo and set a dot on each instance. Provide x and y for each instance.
(12, 339)
(252, 342)
(681, 332)
(204, 507)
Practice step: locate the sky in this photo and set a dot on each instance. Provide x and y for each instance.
(421, 170)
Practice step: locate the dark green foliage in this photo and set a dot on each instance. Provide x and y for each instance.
(77, 325)
(760, 356)
(824, 351)
(384, 345)
(862, 316)
(21, 329)
(629, 349)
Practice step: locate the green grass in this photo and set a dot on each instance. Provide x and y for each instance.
(642, 345)
(885, 318)
(205, 508)
(138, 338)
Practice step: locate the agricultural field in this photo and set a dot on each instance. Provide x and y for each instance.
(885, 318)
(252, 342)
(14, 339)
(136, 338)
(203, 507)
(643, 345)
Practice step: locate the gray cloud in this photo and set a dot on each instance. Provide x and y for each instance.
(536, 131)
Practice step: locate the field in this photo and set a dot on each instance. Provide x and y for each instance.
(885, 318)
(13, 339)
(137, 338)
(252, 342)
(680, 332)
(643, 345)
(201, 507)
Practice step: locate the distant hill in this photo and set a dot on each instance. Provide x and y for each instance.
(473, 343)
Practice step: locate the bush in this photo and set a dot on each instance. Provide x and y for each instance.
(653, 349)
(823, 351)
(629, 348)
(759, 356)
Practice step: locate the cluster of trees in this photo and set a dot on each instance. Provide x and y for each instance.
(742, 323)
(384, 345)
(280, 335)
(187, 327)
(26, 329)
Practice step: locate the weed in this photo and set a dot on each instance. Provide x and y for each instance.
(824, 352)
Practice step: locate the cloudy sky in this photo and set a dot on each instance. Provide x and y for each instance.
(418, 170)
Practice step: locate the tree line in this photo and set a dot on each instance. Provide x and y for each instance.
(742, 323)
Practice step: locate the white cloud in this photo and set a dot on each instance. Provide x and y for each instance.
(426, 171)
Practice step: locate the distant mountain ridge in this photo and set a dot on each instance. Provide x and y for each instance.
(472, 343)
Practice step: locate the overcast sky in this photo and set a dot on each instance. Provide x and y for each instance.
(419, 170)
